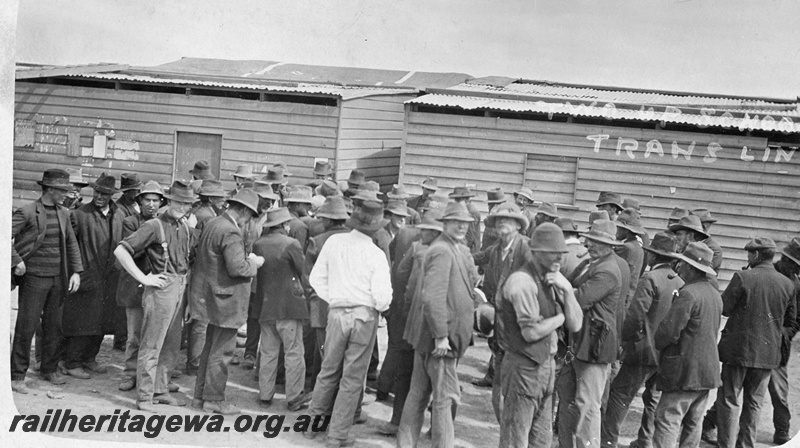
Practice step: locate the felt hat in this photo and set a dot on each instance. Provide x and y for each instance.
(247, 197)
(201, 170)
(525, 192)
(299, 193)
(327, 188)
(598, 214)
(366, 195)
(608, 197)
(212, 188)
(792, 250)
(277, 217)
(398, 192)
(316, 203)
(397, 207)
(760, 243)
(689, 222)
(151, 187)
(698, 255)
(431, 183)
(457, 211)
(461, 192)
(56, 178)
(603, 231)
(629, 219)
(631, 203)
(566, 225)
(129, 181)
(663, 243)
(76, 177)
(369, 217)
(181, 191)
(284, 167)
(677, 213)
(484, 319)
(357, 177)
(244, 171)
(704, 215)
(432, 220)
(333, 208)
(436, 201)
(370, 185)
(323, 168)
(105, 184)
(508, 210)
(264, 190)
(274, 176)
(495, 196)
(548, 208)
(548, 237)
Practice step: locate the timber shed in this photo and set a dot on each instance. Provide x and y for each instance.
(735, 156)
(157, 121)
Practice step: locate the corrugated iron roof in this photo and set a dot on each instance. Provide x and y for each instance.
(30, 71)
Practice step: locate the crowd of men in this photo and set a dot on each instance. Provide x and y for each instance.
(577, 320)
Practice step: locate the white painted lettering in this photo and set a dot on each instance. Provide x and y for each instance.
(712, 149)
(786, 125)
(630, 145)
(678, 151)
(727, 119)
(706, 113)
(780, 153)
(653, 146)
(598, 139)
(766, 155)
(670, 113)
(768, 123)
(748, 122)
(746, 157)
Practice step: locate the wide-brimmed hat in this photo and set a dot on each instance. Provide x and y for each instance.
(76, 177)
(151, 187)
(677, 213)
(461, 192)
(436, 201)
(264, 190)
(274, 176)
(432, 220)
(368, 191)
(284, 167)
(299, 193)
(548, 237)
(323, 168)
(397, 207)
(181, 191)
(663, 243)
(760, 243)
(508, 210)
(201, 170)
(398, 192)
(368, 218)
(525, 192)
(212, 188)
(792, 250)
(689, 222)
(244, 171)
(629, 219)
(698, 255)
(495, 196)
(457, 211)
(277, 217)
(483, 322)
(356, 177)
(247, 197)
(333, 208)
(704, 215)
(566, 225)
(598, 214)
(327, 188)
(609, 197)
(603, 231)
(548, 208)
(129, 181)
(56, 178)
(105, 184)
(631, 203)
(431, 183)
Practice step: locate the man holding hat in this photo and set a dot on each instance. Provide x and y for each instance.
(89, 314)
(280, 289)
(47, 264)
(649, 305)
(168, 243)
(74, 199)
(429, 186)
(688, 365)
(220, 287)
(595, 346)
(130, 186)
(610, 202)
(439, 327)
(473, 239)
(535, 301)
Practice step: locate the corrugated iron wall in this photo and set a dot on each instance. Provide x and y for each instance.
(750, 188)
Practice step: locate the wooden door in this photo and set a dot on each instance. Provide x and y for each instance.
(193, 146)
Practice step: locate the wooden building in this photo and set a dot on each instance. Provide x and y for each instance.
(157, 121)
(734, 156)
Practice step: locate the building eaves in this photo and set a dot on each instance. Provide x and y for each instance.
(31, 71)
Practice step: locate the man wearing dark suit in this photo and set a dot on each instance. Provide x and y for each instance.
(47, 260)
(220, 293)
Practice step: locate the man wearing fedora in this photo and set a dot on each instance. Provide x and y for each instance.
(494, 197)
(688, 365)
(523, 197)
(630, 232)
(649, 305)
(73, 199)
(595, 346)
(351, 274)
(398, 193)
(439, 327)
(220, 293)
(168, 243)
(89, 314)
(47, 264)
(610, 202)
(212, 202)
(546, 212)
(322, 171)
(429, 186)
(130, 186)
(576, 252)
(356, 179)
(535, 301)
(473, 239)
(280, 289)
(706, 220)
(242, 177)
(298, 202)
(396, 212)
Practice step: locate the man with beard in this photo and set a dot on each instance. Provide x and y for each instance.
(494, 197)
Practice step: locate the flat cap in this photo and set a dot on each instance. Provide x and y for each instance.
(760, 243)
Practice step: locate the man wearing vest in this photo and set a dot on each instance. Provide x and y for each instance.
(168, 244)
(534, 303)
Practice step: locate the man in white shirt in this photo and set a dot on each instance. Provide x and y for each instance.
(352, 275)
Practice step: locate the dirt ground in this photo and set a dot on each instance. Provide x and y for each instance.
(475, 425)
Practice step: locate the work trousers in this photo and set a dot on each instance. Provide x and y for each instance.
(779, 393)
(527, 419)
(580, 389)
(160, 338)
(623, 390)
(402, 382)
(196, 339)
(134, 315)
(737, 421)
(253, 328)
(497, 386)
(679, 419)
(39, 300)
(212, 374)
(82, 349)
(274, 334)
(435, 380)
(350, 335)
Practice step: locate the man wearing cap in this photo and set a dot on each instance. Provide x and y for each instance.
(429, 186)
(351, 275)
(220, 291)
(129, 290)
(168, 243)
(473, 238)
(595, 346)
(280, 289)
(47, 264)
(755, 303)
(706, 220)
(649, 305)
(396, 212)
(89, 314)
(688, 362)
(494, 197)
(398, 193)
(439, 327)
(535, 301)
(355, 180)
(73, 199)
(130, 186)
(610, 202)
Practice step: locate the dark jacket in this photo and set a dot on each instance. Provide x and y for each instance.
(716, 259)
(299, 231)
(622, 303)
(318, 308)
(127, 207)
(281, 279)
(633, 254)
(129, 291)
(651, 302)
(495, 269)
(687, 337)
(473, 238)
(598, 293)
(755, 303)
(203, 214)
(572, 259)
(417, 202)
(401, 243)
(405, 276)
(790, 325)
